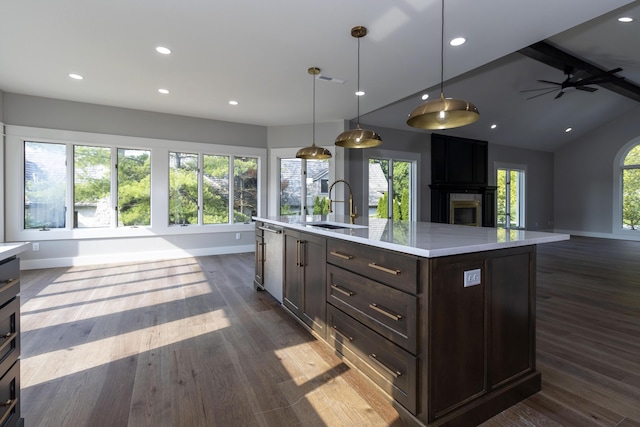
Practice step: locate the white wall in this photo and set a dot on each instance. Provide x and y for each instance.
(583, 184)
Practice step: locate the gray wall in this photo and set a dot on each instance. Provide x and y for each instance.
(584, 177)
(539, 182)
(1, 106)
(24, 110)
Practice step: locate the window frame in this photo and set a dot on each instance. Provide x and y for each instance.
(159, 148)
(618, 197)
(522, 193)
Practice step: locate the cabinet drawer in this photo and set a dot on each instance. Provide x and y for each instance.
(9, 280)
(389, 366)
(9, 335)
(388, 311)
(10, 396)
(391, 268)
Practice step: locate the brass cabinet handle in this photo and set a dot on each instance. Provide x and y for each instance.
(260, 251)
(374, 306)
(6, 284)
(384, 367)
(270, 230)
(343, 335)
(385, 269)
(298, 253)
(339, 255)
(8, 337)
(9, 404)
(343, 291)
(303, 255)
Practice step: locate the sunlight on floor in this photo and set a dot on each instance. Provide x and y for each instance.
(56, 364)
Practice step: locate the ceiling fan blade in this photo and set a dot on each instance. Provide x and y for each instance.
(586, 88)
(551, 83)
(542, 88)
(540, 94)
(559, 95)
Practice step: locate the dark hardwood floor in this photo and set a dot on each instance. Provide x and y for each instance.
(190, 343)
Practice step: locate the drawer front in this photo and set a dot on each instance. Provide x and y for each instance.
(10, 397)
(386, 310)
(9, 334)
(9, 280)
(391, 268)
(386, 364)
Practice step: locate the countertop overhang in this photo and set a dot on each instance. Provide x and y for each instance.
(425, 239)
(7, 250)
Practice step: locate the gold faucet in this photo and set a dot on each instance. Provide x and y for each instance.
(352, 213)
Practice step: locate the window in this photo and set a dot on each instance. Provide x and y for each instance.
(391, 189)
(183, 188)
(245, 188)
(631, 189)
(45, 185)
(510, 197)
(215, 184)
(91, 186)
(315, 191)
(134, 187)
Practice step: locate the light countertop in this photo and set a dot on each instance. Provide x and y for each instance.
(425, 239)
(8, 250)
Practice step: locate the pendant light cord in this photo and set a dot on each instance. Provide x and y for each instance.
(442, 51)
(357, 94)
(313, 138)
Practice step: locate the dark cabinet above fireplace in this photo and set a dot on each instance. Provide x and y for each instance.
(458, 161)
(459, 172)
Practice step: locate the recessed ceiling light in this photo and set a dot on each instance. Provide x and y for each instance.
(625, 19)
(163, 91)
(360, 93)
(567, 130)
(76, 76)
(425, 97)
(457, 41)
(232, 102)
(163, 50)
(493, 126)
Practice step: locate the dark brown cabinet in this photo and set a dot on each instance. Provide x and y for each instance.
(458, 161)
(304, 278)
(10, 342)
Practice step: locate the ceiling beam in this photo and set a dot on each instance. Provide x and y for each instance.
(557, 58)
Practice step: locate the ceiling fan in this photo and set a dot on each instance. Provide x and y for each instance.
(576, 80)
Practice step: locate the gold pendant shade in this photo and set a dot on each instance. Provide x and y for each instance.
(358, 137)
(314, 152)
(444, 113)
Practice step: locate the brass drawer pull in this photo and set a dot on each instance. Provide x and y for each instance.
(6, 284)
(7, 403)
(343, 291)
(395, 317)
(385, 269)
(339, 255)
(384, 367)
(337, 331)
(8, 337)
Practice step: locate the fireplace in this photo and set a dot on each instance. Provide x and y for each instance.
(465, 212)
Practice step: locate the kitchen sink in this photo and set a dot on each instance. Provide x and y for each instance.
(333, 225)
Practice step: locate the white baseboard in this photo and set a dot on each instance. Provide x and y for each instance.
(131, 257)
(619, 236)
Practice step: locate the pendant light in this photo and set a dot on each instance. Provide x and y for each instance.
(358, 137)
(314, 152)
(443, 113)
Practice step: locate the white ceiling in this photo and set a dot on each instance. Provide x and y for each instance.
(257, 52)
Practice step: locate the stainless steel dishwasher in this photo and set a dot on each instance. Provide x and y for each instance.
(273, 260)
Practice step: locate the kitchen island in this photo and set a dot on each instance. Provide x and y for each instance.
(441, 317)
